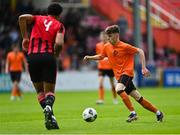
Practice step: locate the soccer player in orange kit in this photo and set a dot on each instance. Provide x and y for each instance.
(121, 57)
(104, 69)
(14, 65)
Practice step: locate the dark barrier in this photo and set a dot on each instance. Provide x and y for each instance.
(171, 77)
(147, 81)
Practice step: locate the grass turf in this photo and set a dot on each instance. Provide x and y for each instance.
(26, 116)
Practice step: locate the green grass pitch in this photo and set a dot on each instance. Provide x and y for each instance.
(26, 116)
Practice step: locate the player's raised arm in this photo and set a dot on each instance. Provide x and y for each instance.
(94, 57)
(23, 21)
(145, 71)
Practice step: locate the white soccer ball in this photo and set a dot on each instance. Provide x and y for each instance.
(89, 114)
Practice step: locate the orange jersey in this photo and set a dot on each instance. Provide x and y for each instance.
(102, 64)
(121, 58)
(15, 61)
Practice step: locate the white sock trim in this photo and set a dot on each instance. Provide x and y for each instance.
(158, 112)
(133, 112)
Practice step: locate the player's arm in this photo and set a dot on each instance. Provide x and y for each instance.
(24, 20)
(25, 64)
(59, 41)
(7, 65)
(94, 57)
(100, 56)
(145, 71)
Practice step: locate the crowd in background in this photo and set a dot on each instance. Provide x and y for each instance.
(83, 26)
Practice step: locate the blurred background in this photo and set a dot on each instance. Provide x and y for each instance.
(153, 25)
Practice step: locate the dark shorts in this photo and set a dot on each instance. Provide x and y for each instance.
(15, 76)
(127, 81)
(42, 68)
(104, 72)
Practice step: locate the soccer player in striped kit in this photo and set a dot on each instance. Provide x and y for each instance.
(43, 46)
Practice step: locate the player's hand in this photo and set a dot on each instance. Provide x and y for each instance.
(86, 58)
(145, 72)
(25, 44)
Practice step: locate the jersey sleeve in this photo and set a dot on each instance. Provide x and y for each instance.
(131, 49)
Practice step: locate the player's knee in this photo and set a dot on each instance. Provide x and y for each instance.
(120, 88)
(138, 98)
(100, 86)
(15, 82)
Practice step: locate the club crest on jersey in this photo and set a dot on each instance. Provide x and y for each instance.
(115, 53)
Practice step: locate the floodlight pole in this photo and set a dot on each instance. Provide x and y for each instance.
(149, 31)
(137, 27)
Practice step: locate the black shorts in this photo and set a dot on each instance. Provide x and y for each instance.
(15, 76)
(104, 72)
(42, 67)
(127, 81)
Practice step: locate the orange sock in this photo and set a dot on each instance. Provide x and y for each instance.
(126, 101)
(101, 92)
(19, 92)
(114, 92)
(14, 91)
(147, 105)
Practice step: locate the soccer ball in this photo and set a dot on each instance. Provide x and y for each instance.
(89, 114)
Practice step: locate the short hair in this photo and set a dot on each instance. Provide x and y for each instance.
(112, 29)
(54, 9)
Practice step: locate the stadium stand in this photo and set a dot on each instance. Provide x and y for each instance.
(83, 25)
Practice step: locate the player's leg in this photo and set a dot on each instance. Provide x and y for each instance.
(50, 120)
(18, 78)
(14, 90)
(35, 71)
(123, 82)
(46, 104)
(49, 72)
(49, 89)
(40, 94)
(38, 66)
(17, 90)
(101, 88)
(111, 79)
(146, 104)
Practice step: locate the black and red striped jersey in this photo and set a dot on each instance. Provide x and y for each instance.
(43, 34)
